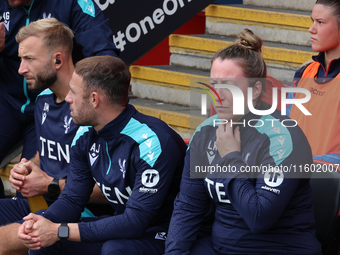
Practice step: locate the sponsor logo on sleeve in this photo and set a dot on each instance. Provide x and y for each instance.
(273, 179)
(149, 179)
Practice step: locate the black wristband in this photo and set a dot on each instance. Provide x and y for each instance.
(53, 188)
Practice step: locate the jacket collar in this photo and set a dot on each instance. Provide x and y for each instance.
(332, 71)
(113, 128)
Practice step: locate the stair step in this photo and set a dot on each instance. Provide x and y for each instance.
(5, 172)
(301, 5)
(275, 25)
(209, 44)
(260, 14)
(167, 74)
(195, 51)
(168, 84)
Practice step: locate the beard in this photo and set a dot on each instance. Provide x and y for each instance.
(85, 116)
(44, 79)
(22, 4)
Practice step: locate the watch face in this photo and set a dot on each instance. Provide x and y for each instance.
(63, 232)
(53, 189)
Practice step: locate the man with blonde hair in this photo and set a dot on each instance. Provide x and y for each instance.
(45, 49)
(92, 36)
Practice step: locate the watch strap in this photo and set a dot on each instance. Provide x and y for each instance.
(53, 188)
(55, 181)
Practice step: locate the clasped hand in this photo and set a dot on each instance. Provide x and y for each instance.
(37, 232)
(27, 178)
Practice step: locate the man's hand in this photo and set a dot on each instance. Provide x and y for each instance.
(226, 140)
(2, 36)
(37, 232)
(18, 175)
(35, 183)
(24, 232)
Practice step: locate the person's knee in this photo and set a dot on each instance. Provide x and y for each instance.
(9, 241)
(9, 231)
(114, 247)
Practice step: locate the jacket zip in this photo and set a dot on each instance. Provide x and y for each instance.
(28, 101)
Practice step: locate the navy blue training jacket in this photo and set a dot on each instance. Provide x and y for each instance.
(137, 161)
(256, 212)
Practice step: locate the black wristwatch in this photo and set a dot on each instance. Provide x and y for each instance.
(53, 188)
(63, 232)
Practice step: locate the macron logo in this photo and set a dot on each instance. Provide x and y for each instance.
(210, 157)
(93, 157)
(6, 23)
(280, 153)
(148, 143)
(150, 155)
(44, 115)
(276, 130)
(281, 140)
